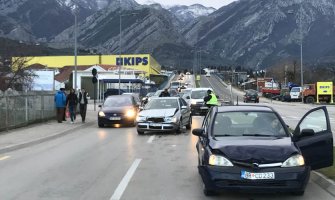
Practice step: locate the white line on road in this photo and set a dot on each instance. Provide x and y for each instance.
(123, 184)
(4, 157)
(151, 139)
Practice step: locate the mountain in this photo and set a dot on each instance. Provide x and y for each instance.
(31, 20)
(188, 13)
(259, 33)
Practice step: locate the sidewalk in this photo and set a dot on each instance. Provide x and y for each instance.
(38, 133)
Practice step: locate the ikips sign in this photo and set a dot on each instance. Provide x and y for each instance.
(132, 61)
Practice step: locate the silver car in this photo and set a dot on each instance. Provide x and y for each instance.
(164, 114)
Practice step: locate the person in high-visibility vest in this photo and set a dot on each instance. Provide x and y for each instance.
(211, 99)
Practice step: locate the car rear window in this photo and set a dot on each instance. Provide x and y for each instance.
(248, 124)
(200, 94)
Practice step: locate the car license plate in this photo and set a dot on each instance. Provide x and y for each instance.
(115, 118)
(203, 108)
(155, 124)
(257, 176)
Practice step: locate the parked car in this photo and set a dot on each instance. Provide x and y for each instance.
(251, 95)
(198, 106)
(164, 114)
(250, 148)
(118, 109)
(296, 93)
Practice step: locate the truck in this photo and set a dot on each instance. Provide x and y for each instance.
(324, 90)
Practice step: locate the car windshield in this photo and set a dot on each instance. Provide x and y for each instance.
(265, 124)
(295, 90)
(117, 102)
(199, 94)
(251, 92)
(162, 103)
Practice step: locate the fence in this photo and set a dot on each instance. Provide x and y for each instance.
(22, 108)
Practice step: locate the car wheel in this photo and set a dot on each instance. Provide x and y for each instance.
(188, 126)
(310, 100)
(299, 193)
(101, 125)
(208, 192)
(140, 132)
(180, 127)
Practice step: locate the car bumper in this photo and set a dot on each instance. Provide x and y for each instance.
(108, 121)
(199, 109)
(157, 127)
(229, 178)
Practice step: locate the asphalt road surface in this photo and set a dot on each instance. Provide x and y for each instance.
(116, 163)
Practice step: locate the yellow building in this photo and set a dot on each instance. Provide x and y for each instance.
(142, 62)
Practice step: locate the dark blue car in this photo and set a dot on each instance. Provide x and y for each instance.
(249, 148)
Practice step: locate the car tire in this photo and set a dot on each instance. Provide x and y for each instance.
(310, 100)
(140, 132)
(180, 127)
(189, 125)
(101, 125)
(208, 192)
(299, 193)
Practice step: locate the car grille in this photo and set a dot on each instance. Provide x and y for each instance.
(254, 183)
(156, 119)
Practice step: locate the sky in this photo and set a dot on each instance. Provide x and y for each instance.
(208, 3)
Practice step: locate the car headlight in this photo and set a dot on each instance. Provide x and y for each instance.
(294, 161)
(219, 161)
(101, 114)
(171, 119)
(130, 113)
(193, 102)
(140, 118)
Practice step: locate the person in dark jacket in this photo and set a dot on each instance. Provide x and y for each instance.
(165, 93)
(60, 101)
(211, 99)
(83, 104)
(71, 102)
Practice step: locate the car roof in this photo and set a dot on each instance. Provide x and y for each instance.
(165, 97)
(247, 108)
(200, 89)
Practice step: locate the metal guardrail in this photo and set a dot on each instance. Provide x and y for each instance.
(19, 109)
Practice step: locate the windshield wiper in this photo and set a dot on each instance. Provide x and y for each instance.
(261, 135)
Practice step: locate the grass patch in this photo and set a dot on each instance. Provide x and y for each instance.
(329, 171)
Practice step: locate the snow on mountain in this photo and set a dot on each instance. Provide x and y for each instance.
(189, 13)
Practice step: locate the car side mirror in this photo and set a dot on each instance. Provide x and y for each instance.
(307, 132)
(100, 106)
(188, 97)
(199, 132)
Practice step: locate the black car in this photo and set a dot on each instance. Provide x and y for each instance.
(251, 96)
(118, 109)
(249, 148)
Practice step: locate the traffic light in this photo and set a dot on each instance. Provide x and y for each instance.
(94, 73)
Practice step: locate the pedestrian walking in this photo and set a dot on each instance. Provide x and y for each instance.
(83, 104)
(60, 101)
(64, 113)
(165, 93)
(71, 102)
(211, 99)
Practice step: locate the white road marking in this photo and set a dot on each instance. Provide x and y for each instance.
(4, 158)
(151, 139)
(123, 184)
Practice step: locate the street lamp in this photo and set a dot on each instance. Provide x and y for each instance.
(301, 66)
(75, 48)
(120, 53)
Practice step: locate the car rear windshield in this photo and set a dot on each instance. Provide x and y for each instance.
(200, 94)
(295, 90)
(162, 104)
(265, 124)
(117, 102)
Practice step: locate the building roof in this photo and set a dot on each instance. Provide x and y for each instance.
(65, 72)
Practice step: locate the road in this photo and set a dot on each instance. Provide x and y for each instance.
(115, 163)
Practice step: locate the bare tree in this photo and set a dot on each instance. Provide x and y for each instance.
(15, 74)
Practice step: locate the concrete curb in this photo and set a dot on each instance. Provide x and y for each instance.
(43, 139)
(325, 183)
